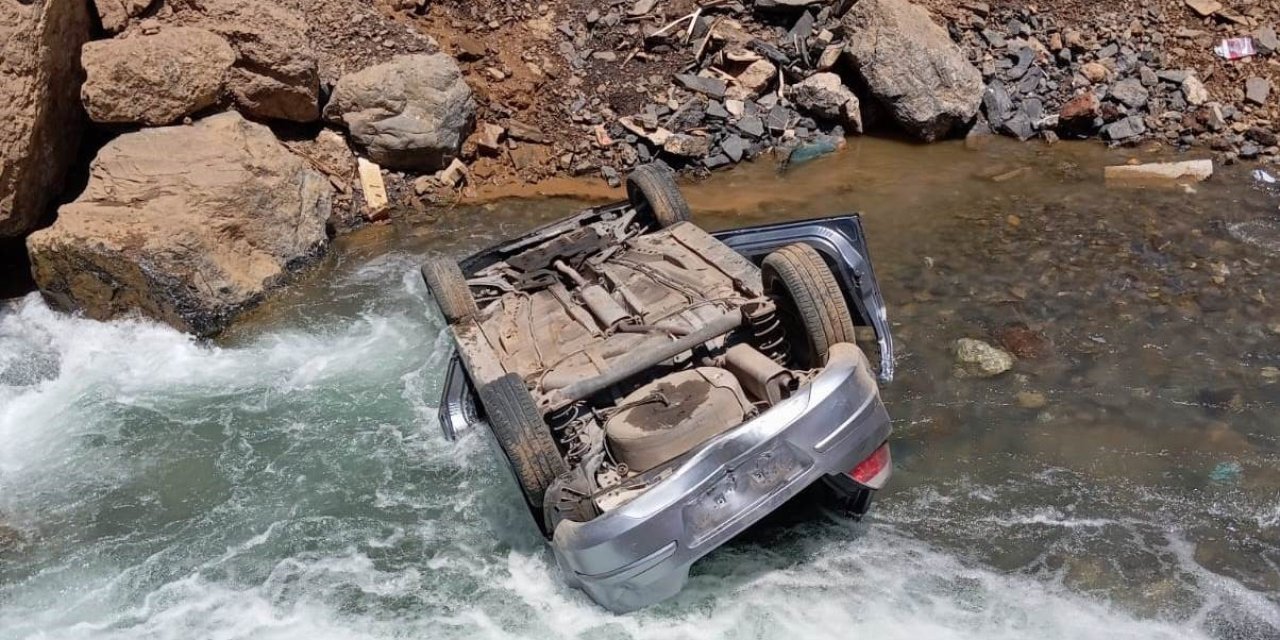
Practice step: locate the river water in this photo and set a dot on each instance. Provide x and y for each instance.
(289, 481)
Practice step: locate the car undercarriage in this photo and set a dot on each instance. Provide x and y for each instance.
(609, 351)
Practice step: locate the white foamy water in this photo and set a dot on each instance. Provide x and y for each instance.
(294, 486)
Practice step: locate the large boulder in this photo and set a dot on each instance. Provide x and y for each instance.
(40, 115)
(276, 74)
(912, 67)
(154, 79)
(186, 224)
(411, 113)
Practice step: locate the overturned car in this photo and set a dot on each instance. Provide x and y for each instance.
(656, 389)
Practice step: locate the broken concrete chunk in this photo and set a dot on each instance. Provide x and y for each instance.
(453, 175)
(373, 188)
(1184, 172)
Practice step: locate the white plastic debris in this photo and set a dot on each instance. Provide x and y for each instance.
(1236, 48)
(1264, 177)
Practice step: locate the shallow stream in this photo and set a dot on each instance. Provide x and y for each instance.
(289, 481)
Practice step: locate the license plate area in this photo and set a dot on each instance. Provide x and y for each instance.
(741, 489)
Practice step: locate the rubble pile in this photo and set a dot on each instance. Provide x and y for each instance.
(1127, 76)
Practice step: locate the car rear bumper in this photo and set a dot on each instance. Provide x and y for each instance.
(640, 553)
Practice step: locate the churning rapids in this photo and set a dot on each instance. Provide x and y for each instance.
(289, 481)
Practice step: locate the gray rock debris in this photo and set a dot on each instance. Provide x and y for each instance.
(1126, 128)
(1130, 93)
(1257, 90)
(713, 87)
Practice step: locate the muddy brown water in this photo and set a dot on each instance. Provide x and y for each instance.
(1123, 480)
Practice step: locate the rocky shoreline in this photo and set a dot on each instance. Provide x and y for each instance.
(231, 129)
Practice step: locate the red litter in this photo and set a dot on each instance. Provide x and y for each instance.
(1236, 48)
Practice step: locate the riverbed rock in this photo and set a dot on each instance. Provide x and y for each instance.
(189, 225)
(116, 14)
(154, 80)
(40, 115)
(410, 113)
(912, 67)
(977, 359)
(824, 96)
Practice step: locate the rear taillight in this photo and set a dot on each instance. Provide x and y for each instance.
(874, 472)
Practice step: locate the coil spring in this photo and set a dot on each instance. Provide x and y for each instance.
(770, 335)
(568, 426)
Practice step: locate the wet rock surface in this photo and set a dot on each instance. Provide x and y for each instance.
(975, 358)
(189, 225)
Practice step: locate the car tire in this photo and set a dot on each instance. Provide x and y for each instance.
(448, 286)
(652, 190)
(524, 438)
(809, 299)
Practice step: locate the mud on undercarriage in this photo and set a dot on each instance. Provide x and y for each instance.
(611, 348)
